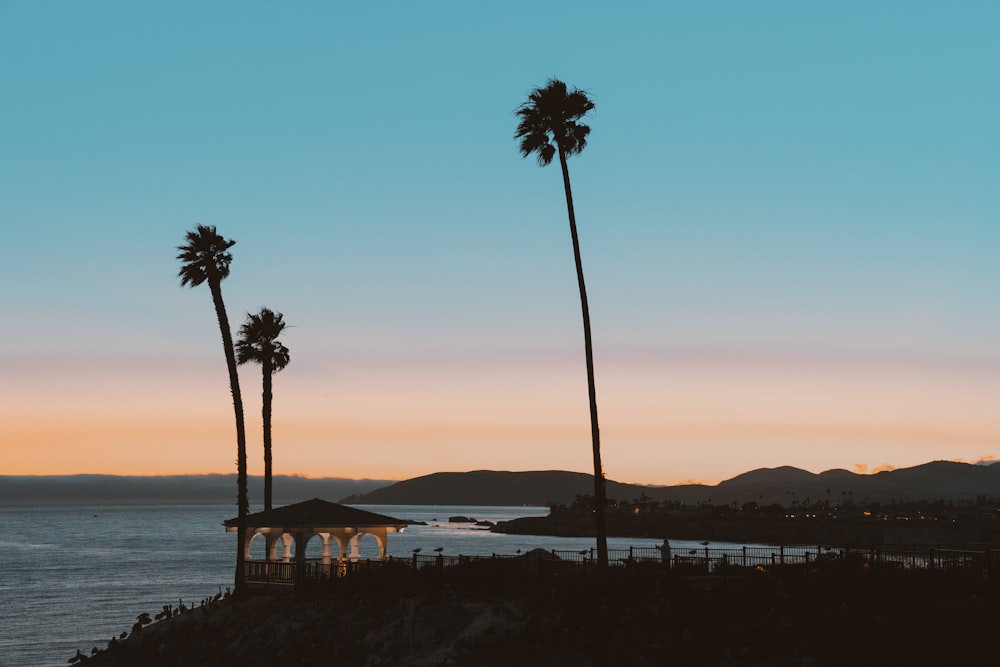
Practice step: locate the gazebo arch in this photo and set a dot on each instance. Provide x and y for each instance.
(340, 528)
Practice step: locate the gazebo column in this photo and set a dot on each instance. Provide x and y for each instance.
(250, 533)
(384, 541)
(342, 537)
(355, 553)
(327, 555)
(286, 554)
(327, 551)
(380, 537)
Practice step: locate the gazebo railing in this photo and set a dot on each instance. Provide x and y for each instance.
(282, 573)
(269, 572)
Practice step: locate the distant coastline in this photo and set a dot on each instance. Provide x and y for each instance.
(47, 490)
(786, 486)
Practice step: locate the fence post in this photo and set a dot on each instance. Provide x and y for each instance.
(782, 554)
(744, 555)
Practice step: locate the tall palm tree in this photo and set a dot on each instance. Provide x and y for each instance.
(258, 342)
(205, 258)
(549, 127)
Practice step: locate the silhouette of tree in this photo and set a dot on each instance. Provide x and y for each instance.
(205, 258)
(258, 342)
(549, 127)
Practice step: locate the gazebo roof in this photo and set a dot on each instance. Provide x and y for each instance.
(316, 512)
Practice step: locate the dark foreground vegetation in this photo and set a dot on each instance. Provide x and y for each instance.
(527, 612)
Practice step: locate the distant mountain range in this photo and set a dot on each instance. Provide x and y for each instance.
(940, 480)
(170, 489)
(944, 480)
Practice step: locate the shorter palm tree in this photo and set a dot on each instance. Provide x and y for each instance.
(258, 342)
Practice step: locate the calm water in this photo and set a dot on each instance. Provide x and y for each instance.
(74, 576)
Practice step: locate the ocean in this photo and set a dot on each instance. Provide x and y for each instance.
(73, 577)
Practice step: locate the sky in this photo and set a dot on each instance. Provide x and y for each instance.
(789, 221)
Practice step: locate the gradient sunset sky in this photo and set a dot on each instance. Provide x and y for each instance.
(789, 216)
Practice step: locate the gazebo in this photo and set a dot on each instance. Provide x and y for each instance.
(333, 523)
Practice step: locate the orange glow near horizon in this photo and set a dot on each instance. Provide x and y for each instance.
(660, 423)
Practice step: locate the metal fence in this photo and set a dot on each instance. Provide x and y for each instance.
(981, 561)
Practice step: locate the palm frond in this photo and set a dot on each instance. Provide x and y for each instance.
(204, 256)
(550, 116)
(258, 342)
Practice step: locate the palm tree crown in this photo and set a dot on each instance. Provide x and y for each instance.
(549, 122)
(204, 257)
(258, 340)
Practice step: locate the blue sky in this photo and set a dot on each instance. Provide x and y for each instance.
(788, 215)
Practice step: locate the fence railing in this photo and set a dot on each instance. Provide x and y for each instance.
(982, 561)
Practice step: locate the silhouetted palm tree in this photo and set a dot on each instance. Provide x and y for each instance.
(258, 342)
(549, 127)
(205, 259)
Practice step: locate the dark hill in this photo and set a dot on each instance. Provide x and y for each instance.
(783, 476)
(940, 480)
(489, 487)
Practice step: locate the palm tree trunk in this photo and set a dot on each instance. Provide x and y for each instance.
(599, 493)
(266, 410)
(242, 499)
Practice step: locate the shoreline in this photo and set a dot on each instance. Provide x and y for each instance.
(761, 530)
